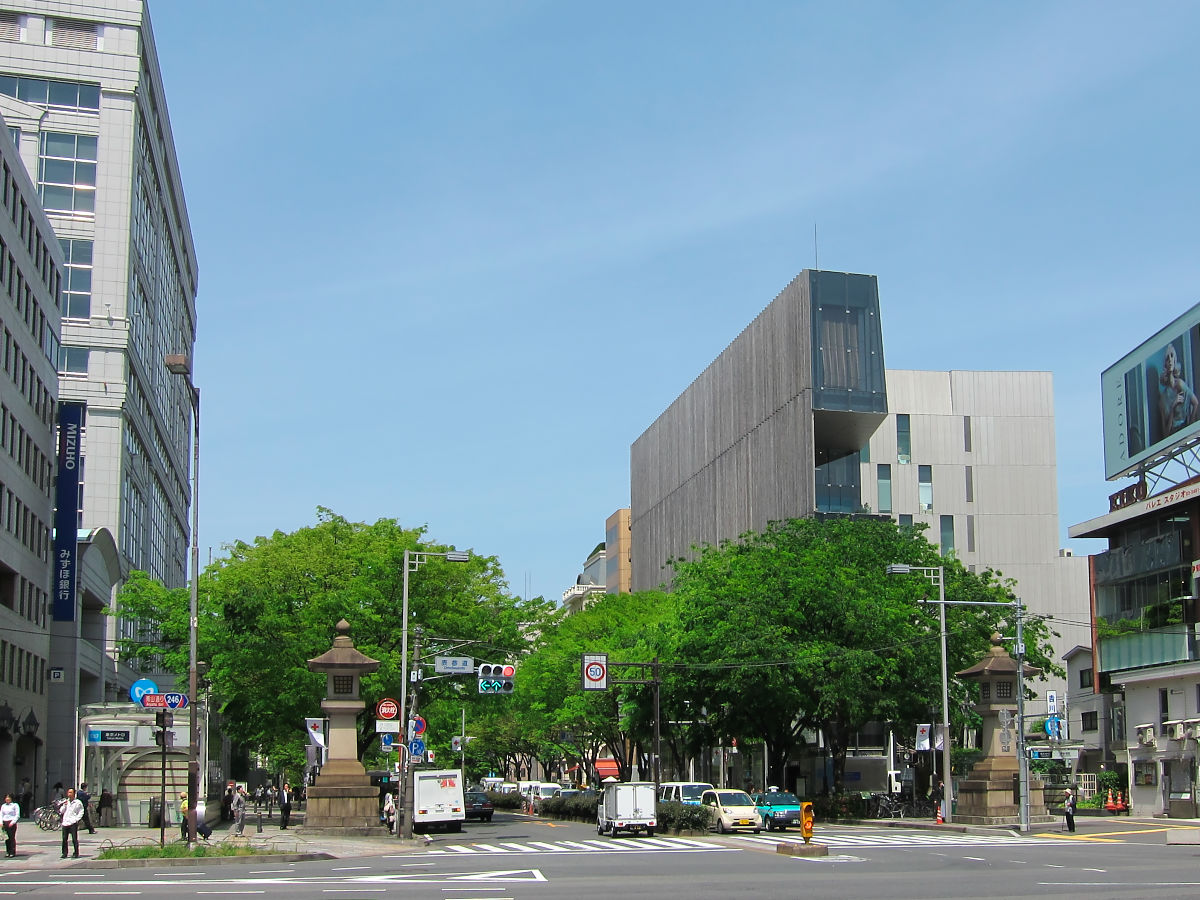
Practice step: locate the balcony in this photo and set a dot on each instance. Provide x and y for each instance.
(1152, 647)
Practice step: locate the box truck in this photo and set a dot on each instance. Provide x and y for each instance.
(627, 806)
(438, 799)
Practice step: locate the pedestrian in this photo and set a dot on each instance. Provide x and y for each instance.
(26, 798)
(183, 816)
(57, 794)
(86, 799)
(227, 804)
(72, 813)
(239, 811)
(285, 805)
(389, 812)
(10, 812)
(258, 797)
(1069, 809)
(937, 795)
(105, 808)
(269, 798)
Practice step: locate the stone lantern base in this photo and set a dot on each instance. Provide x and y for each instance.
(343, 800)
(987, 796)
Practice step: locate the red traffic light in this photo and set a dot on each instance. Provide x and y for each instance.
(508, 671)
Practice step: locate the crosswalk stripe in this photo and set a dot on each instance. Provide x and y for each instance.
(520, 848)
(600, 845)
(546, 845)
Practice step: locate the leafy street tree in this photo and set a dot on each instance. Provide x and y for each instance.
(798, 628)
(271, 605)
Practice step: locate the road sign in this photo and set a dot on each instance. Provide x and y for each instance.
(418, 726)
(387, 708)
(176, 700)
(1051, 702)
(595, 671)
(454, 665)
(385, 741)
(140, 687)
(386, 726)
(416, 747)
(171, 700)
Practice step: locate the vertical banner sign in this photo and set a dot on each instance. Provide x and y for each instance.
(66, 514)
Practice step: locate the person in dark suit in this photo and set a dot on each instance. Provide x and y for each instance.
(285, 805)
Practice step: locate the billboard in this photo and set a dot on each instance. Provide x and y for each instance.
(1149, 396)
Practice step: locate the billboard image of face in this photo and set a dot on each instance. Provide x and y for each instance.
(1150, 400)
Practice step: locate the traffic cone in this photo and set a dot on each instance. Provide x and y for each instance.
(1121, 807)
(1109, 804)
(940, 819)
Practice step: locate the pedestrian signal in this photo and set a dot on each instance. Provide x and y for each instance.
(496, 679)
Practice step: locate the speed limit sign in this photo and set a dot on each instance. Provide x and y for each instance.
(595, 671)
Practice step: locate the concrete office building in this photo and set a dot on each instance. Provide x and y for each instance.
(793, 419)
(770, 430)
(81, 91)
(30, 285)
(971, 455)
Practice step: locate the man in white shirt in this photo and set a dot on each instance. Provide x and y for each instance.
(72, 815)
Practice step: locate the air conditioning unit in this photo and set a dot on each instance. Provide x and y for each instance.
(1175, 730)
(1145, 734)
(1192, 729)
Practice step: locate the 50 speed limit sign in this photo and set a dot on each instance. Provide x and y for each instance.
(595, 671)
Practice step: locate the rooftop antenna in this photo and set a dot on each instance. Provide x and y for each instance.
(816, 257)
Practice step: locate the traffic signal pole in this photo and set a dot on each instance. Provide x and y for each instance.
(408, 775)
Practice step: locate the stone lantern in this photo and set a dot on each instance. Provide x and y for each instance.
(343, 797)
(989, 795)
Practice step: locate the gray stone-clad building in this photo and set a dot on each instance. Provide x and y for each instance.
(770, 430)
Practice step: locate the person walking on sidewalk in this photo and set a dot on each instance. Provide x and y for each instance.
(72, 815)
(86, 799)
(285, 805)
(239, 811)
(10, 812)
(1069, 809)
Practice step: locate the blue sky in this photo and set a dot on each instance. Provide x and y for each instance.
(455, 257)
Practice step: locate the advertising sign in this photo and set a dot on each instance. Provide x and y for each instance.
(1149, 396)
(66, 512)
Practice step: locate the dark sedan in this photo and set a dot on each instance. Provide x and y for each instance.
(478, 806)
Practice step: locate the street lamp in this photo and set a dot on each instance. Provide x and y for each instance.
(179, 364)
(413, 560)
(937, 577)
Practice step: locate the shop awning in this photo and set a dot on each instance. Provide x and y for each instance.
(606, 768)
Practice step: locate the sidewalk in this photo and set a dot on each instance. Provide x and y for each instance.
(42, 849)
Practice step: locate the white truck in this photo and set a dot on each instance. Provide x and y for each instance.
(438, 799)
(627, 806)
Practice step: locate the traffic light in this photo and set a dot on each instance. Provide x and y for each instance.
(496, 679)
(164, 718)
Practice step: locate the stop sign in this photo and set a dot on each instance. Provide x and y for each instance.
(387, 708)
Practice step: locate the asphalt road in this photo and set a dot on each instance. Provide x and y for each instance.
(519, 858)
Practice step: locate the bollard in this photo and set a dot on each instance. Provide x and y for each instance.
(260, 821)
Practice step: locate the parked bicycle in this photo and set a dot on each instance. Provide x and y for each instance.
(888, 806)
(47, 818)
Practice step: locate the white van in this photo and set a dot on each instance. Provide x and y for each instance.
(541, 791)
(688, 792)
(438, 799)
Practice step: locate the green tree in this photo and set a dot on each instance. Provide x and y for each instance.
(271, 605)
(798, 627)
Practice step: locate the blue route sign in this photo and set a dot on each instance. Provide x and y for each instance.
(416, 747)
(385, 741)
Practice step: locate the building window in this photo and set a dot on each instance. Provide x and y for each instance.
(905, 520)
(1085, 677)
(925, 488)
(1004, 690)
(1089, 721)
(903, 439)
(73, 360)
(67, 173)
(54, 94)
(967, 433)
(970, 534)
(77, 290)
(885, 488)
(947, 542)
(970, 484)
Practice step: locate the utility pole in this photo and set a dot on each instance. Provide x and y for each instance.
(407, 779)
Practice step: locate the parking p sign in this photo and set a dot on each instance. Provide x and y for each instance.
(595, 671)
